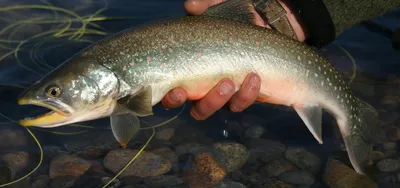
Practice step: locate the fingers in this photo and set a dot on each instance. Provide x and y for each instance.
(247, 94)
(174, 98)
(215, 99)
(197, 7)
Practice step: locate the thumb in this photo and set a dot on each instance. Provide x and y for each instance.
(197, 7)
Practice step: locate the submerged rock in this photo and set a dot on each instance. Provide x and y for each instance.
(298, 177)
(163, 181)
(276, 168)
(68, 165)
(62, 182)
(265, 150)
(147, 164)
(165, 134)
(230, 184)
(6, 174)
(167, 154)
(17, 161)
(303, 159)
(274, 183)
(254, 132)
(339, 175)
(388, 165)
(12, 139)
(40, 182)
(232, 156)
(203, 171)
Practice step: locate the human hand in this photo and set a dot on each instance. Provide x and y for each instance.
(223, 92)
(217, 97)
(197, 7)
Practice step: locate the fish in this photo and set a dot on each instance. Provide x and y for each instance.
(123, 76)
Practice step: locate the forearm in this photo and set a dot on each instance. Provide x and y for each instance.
(346, 13)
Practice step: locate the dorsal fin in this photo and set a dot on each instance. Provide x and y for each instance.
(238, 10)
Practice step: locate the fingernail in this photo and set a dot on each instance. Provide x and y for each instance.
(175, 96)
(225, 88)
(254, 80)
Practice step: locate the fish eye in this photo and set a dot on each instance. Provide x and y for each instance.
(53, 91)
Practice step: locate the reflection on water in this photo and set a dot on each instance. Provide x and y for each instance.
(265, 146)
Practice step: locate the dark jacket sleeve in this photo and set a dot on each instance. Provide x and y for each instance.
(346, 13)
(323, 20)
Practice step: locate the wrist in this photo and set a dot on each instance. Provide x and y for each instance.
(294, 20)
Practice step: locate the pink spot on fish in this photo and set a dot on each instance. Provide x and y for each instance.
(201, 45)
(161, 52)
(124, 68)
(169, 50)
(163, 65)
(189, 47)
(199, 54)
(132, 63)
(258, 43)
(230, 38)
(148, 59)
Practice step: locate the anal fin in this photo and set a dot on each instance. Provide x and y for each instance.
(312, 117)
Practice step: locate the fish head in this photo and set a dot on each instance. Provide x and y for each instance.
(69, 95)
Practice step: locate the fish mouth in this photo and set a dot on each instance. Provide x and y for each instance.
(57, 113)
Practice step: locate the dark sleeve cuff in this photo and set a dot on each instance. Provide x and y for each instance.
(317, 21)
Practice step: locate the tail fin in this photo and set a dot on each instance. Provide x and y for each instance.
(361, 123)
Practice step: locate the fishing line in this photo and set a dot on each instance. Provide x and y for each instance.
(133, 159)
(40, 149)
(353, 61)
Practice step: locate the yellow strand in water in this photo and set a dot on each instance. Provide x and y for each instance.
(133, 159)
(38, 165)
(353, 61)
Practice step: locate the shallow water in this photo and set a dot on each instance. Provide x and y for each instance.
(281, 151)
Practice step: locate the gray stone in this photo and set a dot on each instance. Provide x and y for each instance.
(388, 165)
(167, 154)
(265, 150)
(163, 181)
(231, 155)
(165, 134)
(277, 167)
(229, 184)
(62, 182)
(298, 177)
(116, 183)
(17, 161)
(303, 159)
(254, 132)
(147, 164)
(191, 148)
(68, 165)
(12, 138)
(40, 182)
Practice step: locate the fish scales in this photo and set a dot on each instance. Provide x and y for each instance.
(133, 70)
(177, 54)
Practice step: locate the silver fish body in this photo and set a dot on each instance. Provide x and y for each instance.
(135, 69)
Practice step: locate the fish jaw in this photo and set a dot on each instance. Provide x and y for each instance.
(59, 114)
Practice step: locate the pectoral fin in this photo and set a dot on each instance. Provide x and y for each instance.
(139, 104)
(124, 127)
(312, 117)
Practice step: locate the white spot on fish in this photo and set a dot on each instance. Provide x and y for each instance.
(299, 58)
(309, 62)
(335, 88)
(308, 71)
(316, 75)
(322, 83)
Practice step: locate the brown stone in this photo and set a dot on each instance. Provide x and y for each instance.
(203, 172)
